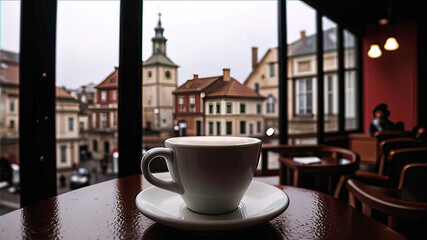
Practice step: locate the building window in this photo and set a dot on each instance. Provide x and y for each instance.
(242, 108)
(149, 74)
(256, 88)
(115, 119)
(210, 108)
(218, 108)
(167, 75)
(70, 124)
(242, 127)
(210, 128)
(181, 105)
(229, 107)
(193, 100)
(258, 126)
(258, 108)
(12, 124)
(304, 66)
(103, 96)
(272, 70)
(103, 120)
(228, 128)
(329, 95)
(63, 154)
(83, 99)
(251, 128)
(271, 102)
(12, 106)
(95, 145)
(218, 128)
(304, 96)
(114, 95)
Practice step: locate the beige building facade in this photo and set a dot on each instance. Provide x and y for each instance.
(302, 84)
(159, 80)
(67, 129)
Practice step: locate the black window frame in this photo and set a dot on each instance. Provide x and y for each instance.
(37, 81)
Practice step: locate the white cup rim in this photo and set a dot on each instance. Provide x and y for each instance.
(218, 141)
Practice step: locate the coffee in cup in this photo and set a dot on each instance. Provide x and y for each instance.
(211, 174)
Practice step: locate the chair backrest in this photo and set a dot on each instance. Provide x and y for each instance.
(387, 134)
(398, 158)
(413, 182)
(336, 153)
(390, 144)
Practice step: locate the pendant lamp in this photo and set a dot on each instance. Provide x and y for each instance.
(374, 51)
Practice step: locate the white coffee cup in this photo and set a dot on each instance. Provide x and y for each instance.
(210, 173)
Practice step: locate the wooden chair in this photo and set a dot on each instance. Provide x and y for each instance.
(337, 162)
(395, 161)
(387, 134)
(387, 145)
(405, 206)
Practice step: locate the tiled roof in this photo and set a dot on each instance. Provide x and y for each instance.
(308, 47)
(8, 56)
(232, 88)
(195, 84)
(111, 81)
(215, 87)
(62, 94)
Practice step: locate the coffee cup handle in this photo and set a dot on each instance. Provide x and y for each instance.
(168, 155)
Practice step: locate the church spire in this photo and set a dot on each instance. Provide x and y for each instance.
(159, 41)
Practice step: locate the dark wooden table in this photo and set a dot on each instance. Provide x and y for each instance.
(107, 211)
(331, 167)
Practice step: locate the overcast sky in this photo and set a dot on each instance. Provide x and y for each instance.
(203, 36)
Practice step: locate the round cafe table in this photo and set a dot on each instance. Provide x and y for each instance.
(107, 211)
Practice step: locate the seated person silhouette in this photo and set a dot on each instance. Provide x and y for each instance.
(381, 121)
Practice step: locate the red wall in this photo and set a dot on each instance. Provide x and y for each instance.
(391, 78)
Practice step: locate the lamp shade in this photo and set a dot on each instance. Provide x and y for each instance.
(391, 44)
(374, 51)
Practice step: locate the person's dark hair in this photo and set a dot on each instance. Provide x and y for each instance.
(383, 108)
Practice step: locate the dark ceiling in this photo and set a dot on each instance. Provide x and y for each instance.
(357, 14)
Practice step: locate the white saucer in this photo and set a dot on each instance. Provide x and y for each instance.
(260, 203)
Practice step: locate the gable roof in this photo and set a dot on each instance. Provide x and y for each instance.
(195, 85)
(61, 93)
(111, 81)
(215, 87)
(9, 56)
(232, 88)
(308, 46)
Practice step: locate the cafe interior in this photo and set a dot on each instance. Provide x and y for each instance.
(368, 184)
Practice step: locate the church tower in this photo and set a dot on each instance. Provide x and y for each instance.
(159, 79)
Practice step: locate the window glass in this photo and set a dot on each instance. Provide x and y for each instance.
(351, 87)
(242, 108)
(9, 105)
(272, 70)
(242, 127)
(63, 154)
(229, 107)
(218, 128)
(70, 124)
(330, 73)
(302, 81)
(229, 128)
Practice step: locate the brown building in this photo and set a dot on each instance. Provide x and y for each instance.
(219, 106)
(9, 106)
(103, 117)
